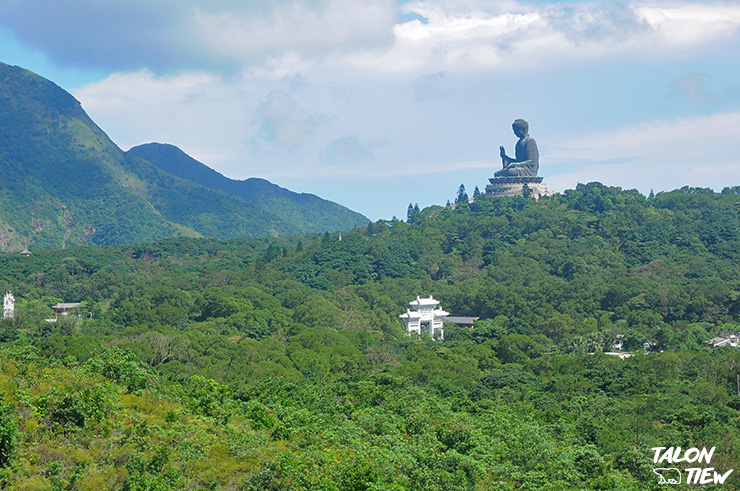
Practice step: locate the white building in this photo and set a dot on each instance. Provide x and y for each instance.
(426, 317)
(732, 339)
(8, 306)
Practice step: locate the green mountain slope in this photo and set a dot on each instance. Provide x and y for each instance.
(64, 183)
(306, 212)
(61, 178)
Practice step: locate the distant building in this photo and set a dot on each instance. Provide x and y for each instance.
(620, 354)
(425, 317)
(8, 306)
(63, 309)
(618, 343)
(649, 346)
(462, 320)
(725, 340)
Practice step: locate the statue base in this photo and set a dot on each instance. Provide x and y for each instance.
(516, 186)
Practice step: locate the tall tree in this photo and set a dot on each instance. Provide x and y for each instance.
(461, 194)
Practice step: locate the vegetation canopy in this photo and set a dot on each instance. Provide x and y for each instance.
(264, 364)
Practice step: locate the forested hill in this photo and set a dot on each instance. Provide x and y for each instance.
(61, 178)
(305, 212)
(579, 267)
(282, 364)
(63, 183)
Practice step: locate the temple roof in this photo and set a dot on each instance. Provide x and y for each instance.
(424, 301)
(462, 319)
(66, 306)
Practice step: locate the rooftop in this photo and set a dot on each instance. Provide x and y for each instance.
(66, 306)
(424, 301)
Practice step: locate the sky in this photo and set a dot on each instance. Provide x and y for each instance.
(376, 104)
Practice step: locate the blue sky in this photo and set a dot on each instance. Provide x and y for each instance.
(376, 103)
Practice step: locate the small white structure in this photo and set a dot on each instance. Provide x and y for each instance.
(425, 317)
(64, 309)
(618, 343)
(732, 339)
(8, 306)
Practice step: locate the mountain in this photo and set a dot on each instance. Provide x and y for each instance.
(63, 182)
(61, 178)
(306, 212)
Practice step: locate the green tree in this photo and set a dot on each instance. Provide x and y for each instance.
(8, 434)
(462, 196)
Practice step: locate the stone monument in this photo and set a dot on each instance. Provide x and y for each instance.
(518, 177)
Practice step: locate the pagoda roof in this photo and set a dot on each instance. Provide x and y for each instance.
(424, 301)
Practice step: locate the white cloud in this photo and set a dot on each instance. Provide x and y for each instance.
(531, 36)
(688, 23)
(91, 33)
(283, 122)
(204, 114)
(408, 171)
(347, 149)
(297, 26)
(184, 34)
(698, 151)
(471, 35)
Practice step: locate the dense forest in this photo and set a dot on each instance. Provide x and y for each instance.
(268, 364)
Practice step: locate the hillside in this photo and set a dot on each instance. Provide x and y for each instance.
(305, 212)
(282, 363)
(64, 183)
(61, 178)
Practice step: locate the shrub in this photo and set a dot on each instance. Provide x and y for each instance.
(8, 434)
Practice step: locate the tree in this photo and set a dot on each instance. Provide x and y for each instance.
(272, 252)
(476, 192)
(410, 212)
(462, 196)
